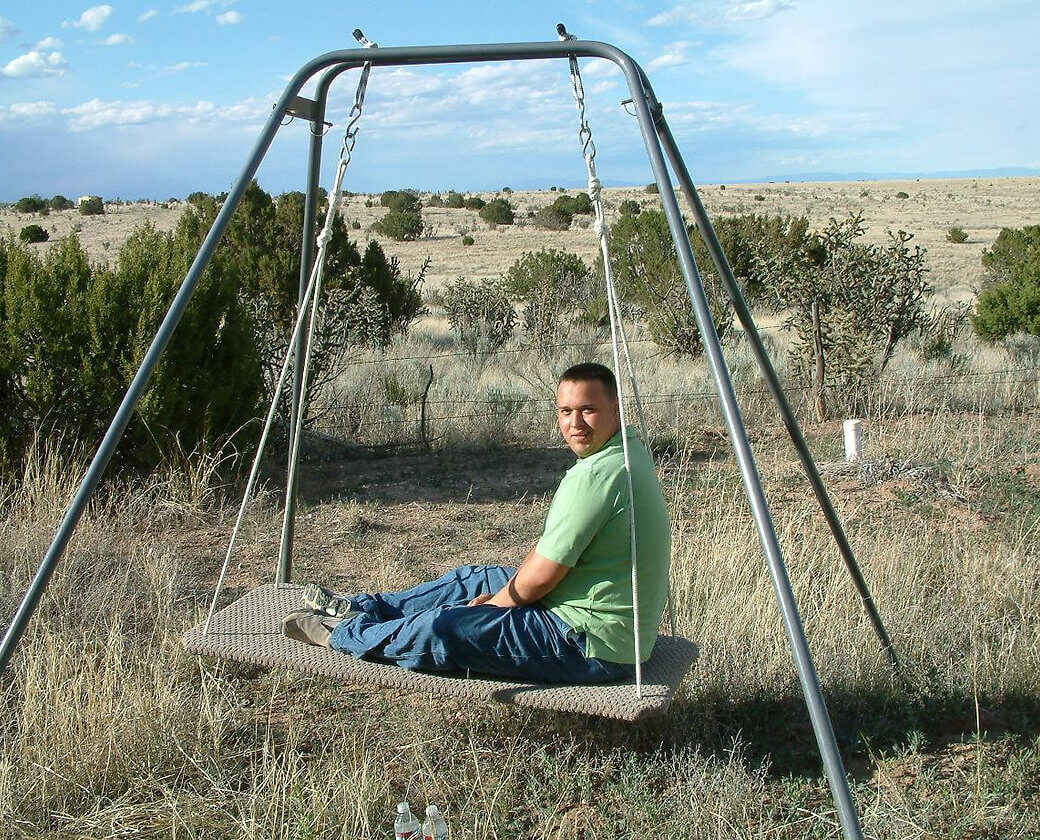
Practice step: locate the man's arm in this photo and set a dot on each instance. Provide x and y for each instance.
(536, 578)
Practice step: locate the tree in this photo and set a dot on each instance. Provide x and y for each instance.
(554, 290)
(92, 206)
(402, 225)
(30, 204)
(498, 211)
(31, 234)
(646, 268)
(849, 303)
(366, 299)
(1010, 301)
(480, 313)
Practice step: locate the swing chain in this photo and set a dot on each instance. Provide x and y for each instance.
(354, 118)
(588, 147)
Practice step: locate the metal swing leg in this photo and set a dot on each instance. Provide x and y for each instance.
(817, 707)
(310, 212)
(283, 572)
(775, 388)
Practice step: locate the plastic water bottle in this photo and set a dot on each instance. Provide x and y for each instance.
(406, 826)
(434, 828)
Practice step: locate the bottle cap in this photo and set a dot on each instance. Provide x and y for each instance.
(431, 811)
(402, 807)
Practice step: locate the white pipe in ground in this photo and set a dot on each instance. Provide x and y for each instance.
(853, 439)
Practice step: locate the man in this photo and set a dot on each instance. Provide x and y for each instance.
(565, 615)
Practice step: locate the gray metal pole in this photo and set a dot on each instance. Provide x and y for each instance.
(284, 570)
(773, 383)
(818, 714)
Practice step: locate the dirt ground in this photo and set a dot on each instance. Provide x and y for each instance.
(980, 206)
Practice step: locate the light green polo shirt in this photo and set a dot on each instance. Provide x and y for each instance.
(587, 529)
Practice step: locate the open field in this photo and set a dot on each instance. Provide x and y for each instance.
(980, 206)
(110, 729)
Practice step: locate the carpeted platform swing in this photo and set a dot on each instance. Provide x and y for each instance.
(250, 630)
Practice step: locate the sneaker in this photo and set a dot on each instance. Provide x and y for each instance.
(324, 601)
(309, 627)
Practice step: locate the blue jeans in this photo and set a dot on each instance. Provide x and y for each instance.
(430, 628)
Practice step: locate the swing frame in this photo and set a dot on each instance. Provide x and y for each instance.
(662, 152)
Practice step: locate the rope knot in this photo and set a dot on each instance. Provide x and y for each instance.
(324, 237)
(600, 227)
(595, 187)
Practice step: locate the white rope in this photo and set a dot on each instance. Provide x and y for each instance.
(588, 148)
(310, 301)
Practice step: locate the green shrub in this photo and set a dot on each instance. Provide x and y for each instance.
(649, 281)
(454, 200)
(366, 302)
(553, 289)
(92, 206)
(552, 218)
(578, 205)
(78, 333)
(31, 234)
(59, 202)
(760, 197)
(474, 202)
(1010, 303)
(902, 194)
(435, 201)
(480, 313)
(30, 204)
(401, 201)
(402, 225)
(630, 207)
(507, 190)
(467, 240)
(498, 211)
(652, 188)
(956, 235)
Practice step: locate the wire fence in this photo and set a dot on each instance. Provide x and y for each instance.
(1009, 390)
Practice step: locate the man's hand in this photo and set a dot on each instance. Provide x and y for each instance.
(480, 599)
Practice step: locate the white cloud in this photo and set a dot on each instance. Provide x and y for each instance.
(195, 6)
(674, 55)
(714, 14)
(147, 15)
(98, 114)
(229, 18)
(757, 9)
(7, 29)
(23, 111)
(117, 40)
(181, 66)
(91, 20)
(680, 14)
(48, 43)
(35, 64)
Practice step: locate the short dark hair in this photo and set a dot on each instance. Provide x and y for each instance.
(592, 372)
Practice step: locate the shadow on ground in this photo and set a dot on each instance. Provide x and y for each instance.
(774, 730)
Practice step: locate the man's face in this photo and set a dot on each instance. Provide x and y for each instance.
(587, 415)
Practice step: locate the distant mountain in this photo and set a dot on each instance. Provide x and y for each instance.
(1001, 172)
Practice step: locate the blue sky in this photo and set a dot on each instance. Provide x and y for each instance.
(157, 99)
